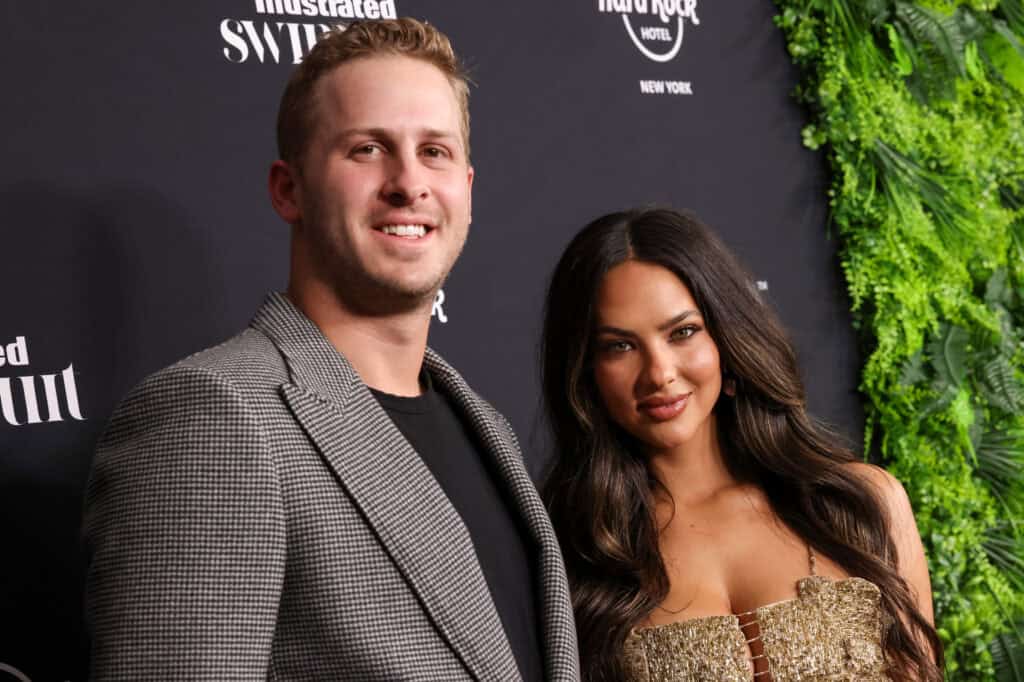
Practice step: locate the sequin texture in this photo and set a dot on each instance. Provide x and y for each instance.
(831, 632)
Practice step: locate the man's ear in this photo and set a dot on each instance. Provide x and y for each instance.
(284, 191)
(469, 178)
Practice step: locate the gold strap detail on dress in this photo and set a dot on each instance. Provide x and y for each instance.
(756, 638)
(813, 564)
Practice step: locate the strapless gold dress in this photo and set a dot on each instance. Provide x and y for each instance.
(831, 632)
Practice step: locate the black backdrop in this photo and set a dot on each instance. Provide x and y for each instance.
(136, 227)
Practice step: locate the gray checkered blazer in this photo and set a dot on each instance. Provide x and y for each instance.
(252, 513)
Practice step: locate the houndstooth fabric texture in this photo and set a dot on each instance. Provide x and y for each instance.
(252, 513)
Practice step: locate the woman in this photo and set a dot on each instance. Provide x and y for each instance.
(712, 530)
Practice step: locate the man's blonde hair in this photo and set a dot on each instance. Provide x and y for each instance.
(407, 37)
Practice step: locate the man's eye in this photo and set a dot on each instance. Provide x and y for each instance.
(434, 152)
(367, 149)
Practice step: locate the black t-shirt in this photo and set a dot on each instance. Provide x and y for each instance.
(504, 549)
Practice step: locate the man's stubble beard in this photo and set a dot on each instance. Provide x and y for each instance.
(366, 293)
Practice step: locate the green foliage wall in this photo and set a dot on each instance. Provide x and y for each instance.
(920, 109)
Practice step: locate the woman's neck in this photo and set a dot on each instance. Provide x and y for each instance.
(695, 471)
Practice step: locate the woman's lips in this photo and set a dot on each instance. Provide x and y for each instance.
(663, 409)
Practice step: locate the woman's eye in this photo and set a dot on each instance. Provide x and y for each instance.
(617, 346)
(684, 332)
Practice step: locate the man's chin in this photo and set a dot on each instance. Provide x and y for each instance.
(382, 296)
(414, 289)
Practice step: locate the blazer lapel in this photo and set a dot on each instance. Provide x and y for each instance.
(387, 480)
(500, 443)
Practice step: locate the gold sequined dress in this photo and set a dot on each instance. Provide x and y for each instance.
(830, 632)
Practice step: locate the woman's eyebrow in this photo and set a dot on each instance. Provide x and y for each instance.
(609, 329)
(677, 319)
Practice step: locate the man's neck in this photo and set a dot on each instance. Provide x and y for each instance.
(386, 351)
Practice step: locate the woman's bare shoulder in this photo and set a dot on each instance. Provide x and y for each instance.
(890, 492)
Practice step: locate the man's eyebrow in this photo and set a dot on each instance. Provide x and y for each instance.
(437, 132)
(361, 132)
(433, 133)
(608, 329)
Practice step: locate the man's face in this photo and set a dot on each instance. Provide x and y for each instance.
(384, 188)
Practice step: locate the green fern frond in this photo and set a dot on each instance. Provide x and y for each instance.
(1009, 36)
(901, 174)
(853, 21)
(1004, 550)
(1000, 386)
(1017, 236)
(941, 33)
(1001, 460)
(1013, 11)
(1011, 192)
(901, 49)
(1008, 656)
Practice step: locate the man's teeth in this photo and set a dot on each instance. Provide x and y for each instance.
(413, 231)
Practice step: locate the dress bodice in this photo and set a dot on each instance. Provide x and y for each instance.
(830, 632)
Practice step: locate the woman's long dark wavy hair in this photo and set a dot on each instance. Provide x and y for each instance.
(600, 491)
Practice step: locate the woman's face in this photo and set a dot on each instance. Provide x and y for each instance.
(655, 364)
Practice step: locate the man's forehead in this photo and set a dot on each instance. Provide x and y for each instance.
(392, 77)
(385, 94)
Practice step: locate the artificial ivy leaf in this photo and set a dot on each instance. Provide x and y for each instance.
(970, 27)
(912, 371)
(1010, 340)
(948, 354)
(998, 289)
(877, 11)
(945, 395)
(813, 137)
(976, 431)
(919, 88)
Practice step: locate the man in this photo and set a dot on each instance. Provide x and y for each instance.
(323, 497)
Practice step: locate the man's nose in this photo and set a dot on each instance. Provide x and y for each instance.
(406, 180)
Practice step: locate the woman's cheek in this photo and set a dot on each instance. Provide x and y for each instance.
(614, 388)
(702, 363)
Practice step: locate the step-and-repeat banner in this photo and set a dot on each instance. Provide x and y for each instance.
(137, 229)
